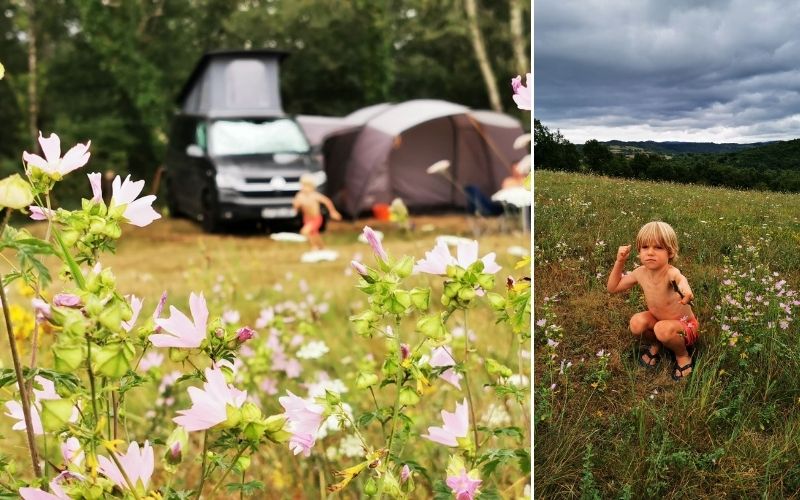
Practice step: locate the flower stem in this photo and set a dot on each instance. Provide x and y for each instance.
(26, 403)
(391, 435)
(203, 464)
(91, 378)
(466, 384)
(228, 469)
(124, 474)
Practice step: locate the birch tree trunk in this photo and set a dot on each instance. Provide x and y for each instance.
(480, 54)
(518, 41)
(33, 99)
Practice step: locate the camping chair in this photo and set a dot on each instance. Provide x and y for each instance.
(481, 209)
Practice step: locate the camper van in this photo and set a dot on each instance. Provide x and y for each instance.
(233, 154)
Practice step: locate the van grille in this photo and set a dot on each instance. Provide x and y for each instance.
(267, 194)
(266, 180)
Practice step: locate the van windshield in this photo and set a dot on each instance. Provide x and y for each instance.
(249, 137)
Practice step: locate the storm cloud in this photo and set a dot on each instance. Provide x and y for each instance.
(721, 71)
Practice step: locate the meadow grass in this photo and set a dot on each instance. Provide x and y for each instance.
(248, 272)
(607, 428)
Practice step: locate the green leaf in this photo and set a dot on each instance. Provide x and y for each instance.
(73, 266)
(248, 488)
(524, 457)
(441, 491)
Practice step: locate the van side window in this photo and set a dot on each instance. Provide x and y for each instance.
(200, 136)
(183, 133)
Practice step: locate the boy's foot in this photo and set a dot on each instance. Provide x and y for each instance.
(650, 357)
(682, 371)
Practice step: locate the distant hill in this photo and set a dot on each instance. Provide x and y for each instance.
(675, 147)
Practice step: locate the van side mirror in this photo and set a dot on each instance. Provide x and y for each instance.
(195, 151)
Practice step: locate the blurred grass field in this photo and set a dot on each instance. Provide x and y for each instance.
(606, 428)
(247, 272)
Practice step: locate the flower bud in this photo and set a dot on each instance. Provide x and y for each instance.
(466, 294)
(275, 423)
(451, 288)
(497, 301)
(408, 396)
(234, 416)
(405, 350)
(15, 192)
(364, 380)
(421, 298)
(55, 413)
(68, 358)
(370, 487)
(405, 473)
(66, 300)
(176, 443)
(497, 369)
(244, 334)
(359, 267)
(486, 281)
(431, 326)
(404, 267)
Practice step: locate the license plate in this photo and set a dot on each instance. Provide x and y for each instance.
(278, 213)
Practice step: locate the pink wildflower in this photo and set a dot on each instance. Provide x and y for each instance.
(522, 93)
(375, 243)
(405, 473)
(41, 213)
(66, 300)
(151, 360)
(304, 419)
(359, 267)
(182, 332)
(71, 451)
(58, 492)
(136, 308)
(52, 164)
(244, 334)
(442, 357)
(437, 260)
(138, 465)
(464, 487)
(95, 180)
(456, 425)
(137, 212)
(47, 392)
(209, 405)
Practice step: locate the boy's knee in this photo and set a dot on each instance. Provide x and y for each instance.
(664, 331)
(637, 325)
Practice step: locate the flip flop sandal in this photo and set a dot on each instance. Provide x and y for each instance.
(681, 369)
(650, 357)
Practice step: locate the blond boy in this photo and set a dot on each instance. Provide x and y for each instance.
(668, 320)
(307, 201)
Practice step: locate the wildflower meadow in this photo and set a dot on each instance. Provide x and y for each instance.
(182, 366)
(607, 428)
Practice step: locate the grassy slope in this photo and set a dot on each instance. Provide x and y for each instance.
(733, 429)
(242, 272)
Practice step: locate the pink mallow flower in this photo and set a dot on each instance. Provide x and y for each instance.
(137, 463)
(442, 357)
(437, 260)
(522, 93)
(375, 243)
(137, 212)
(181, 331)
(463, 485)
(136, 308)
(456, 425)
(304, 419)
(66, 300)
(96, 181)
(57, 492)
(53, 164)
(209, 404)
(41, 213)
(48, 391)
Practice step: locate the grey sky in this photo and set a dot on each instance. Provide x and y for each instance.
(682, 70)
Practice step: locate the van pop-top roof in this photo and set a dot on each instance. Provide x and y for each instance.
(234, 83)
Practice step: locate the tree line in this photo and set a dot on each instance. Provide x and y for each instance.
(110, 70)
(774, 167)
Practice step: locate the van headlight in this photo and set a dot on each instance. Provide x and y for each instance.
(319, 177)
(226, 181)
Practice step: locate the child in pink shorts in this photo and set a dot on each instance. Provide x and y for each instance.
(668, 321)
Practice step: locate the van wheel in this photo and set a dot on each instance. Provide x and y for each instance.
(210, 221)
(172, 203)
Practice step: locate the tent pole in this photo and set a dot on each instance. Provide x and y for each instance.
(491, 143)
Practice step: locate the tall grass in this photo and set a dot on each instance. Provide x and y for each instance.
(731, 429)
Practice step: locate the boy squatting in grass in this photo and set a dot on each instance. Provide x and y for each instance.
(307, 201)
(669, 320)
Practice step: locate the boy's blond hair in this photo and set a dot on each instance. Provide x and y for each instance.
(308, 180)
(658, 233)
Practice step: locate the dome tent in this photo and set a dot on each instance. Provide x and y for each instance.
(387, 156)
